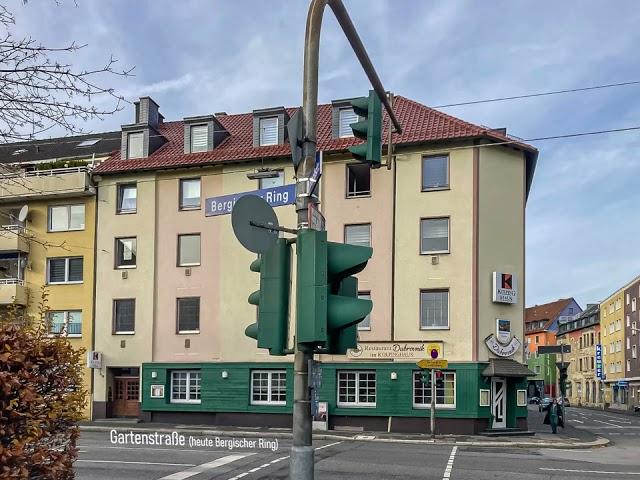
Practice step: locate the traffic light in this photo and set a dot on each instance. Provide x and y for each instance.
(562, 369)
(328, 307)
(369, 129)
(272, 299)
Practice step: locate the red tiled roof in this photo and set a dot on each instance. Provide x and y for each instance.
(548, 312)
(419, 122)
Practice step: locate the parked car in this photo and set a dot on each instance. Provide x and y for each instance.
(534, 400)
(636, 409)
(544, 403)
(563, 402)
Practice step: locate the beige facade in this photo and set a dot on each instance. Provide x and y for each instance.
(612, 334)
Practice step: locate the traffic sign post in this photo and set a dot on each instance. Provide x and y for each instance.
(429, 367)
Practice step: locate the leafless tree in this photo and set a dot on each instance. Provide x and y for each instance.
(38, 92)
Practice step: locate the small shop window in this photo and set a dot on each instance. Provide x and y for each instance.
(445, 391)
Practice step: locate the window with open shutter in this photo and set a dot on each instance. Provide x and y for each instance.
(434, 233)
(358, 234)
(135, 145)
(269, 131)
(346, 117)
(199, 138)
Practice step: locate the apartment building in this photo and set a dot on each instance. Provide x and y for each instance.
(47, 218)
(584, 387)
(446, 223)
(632, 341)
(541, 324)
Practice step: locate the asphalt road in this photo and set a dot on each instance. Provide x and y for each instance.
(360, 460)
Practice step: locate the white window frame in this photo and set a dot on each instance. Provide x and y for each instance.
(262, 127)
(344, 129)
(68, 208)
(423, 222)
(427, 390)
(137, 135)
(485, 398)
(64, 332)
(270, 387)
(181, 205)
(188, 398)
(358, 403)
(189, 264)
(438, 327)
(66, 271)
(199, 128)
(119, 197)
(346, 228)
(365, 295)
(521, 398)
(115, 319)
(117, 259)
(427, 188)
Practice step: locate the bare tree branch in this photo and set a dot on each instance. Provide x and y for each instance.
(39, 92)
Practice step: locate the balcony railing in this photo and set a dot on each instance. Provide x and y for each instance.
(12, 291)
(11, 281)
(46, 183)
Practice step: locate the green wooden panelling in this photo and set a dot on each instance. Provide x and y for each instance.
(393, 397)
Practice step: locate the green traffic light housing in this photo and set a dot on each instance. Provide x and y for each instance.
(272, 300)
(369, 129)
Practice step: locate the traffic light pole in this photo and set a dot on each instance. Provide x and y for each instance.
(433, 403)
(301, 466)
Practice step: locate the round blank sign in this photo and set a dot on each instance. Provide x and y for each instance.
(249, 211)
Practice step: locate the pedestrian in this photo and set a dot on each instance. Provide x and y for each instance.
(554, 416)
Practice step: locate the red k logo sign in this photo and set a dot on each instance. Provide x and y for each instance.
(507, 281)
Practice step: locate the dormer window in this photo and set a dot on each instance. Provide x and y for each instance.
(135, 145)
(269, 131)
(346, 117)
(199, 135)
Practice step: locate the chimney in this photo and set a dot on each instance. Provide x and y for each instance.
(147, 111)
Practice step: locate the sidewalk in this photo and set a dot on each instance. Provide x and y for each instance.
(570, 438)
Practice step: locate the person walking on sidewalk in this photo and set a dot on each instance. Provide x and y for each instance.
(554, 416)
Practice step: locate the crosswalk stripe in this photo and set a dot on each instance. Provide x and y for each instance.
(205, 467)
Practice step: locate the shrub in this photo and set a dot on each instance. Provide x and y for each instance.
(41, 399)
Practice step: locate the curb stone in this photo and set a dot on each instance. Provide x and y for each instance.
(599, 442)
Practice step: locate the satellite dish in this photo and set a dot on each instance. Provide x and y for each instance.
(249, 216)
(24, 211)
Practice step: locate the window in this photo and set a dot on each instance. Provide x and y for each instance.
(198, 141)
(185, 386)
(633, 328)
(628, 365)
(537, 339)
(135, 147)
(189, 250)
(269, 131)
(64, 270)
(434, 309)
(124, 311)
(88, 142)
(612, 368)
(618, 325)
(366, 323)
(445, 391)
(528, 340)
(346, 117)
(188, 315)
(485, 398)
(67, 323)
(268, 387)
(435, 173)
(570, 310)
(627, 297)
(537, 369)
(358, 180)
(634, 351)
(63, 218)
(628, 321)
(272, 182)
(189, 193)
(434, 235)
(126, 251)
(358, 234)
(356, 389)
(628, 343)
(633, 304)
(127, 198)
(619, 346)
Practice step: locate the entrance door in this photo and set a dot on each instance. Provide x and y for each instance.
(499, 402)
(126, 397)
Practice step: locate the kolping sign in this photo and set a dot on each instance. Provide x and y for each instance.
(505, 288)
(394, 350)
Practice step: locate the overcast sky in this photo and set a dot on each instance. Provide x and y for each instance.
(583, 215)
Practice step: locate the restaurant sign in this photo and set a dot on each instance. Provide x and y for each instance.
(391, 350)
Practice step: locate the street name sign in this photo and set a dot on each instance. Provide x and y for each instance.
(437, 364)
(274, 196)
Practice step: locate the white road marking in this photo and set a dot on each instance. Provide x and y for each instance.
(279, 459)
(192, 450)
(195, 470)
(587, 471)
(447, 470)
(137, 463)
(607, 423)
(622, 421)
(576, 420)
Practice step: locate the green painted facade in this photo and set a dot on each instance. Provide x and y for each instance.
(544, 366)
(393, 397)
